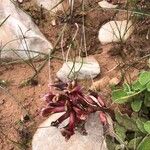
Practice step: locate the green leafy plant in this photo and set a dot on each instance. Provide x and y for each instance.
(134, 128)
(129, 93)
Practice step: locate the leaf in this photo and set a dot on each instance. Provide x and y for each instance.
(144, 77)
(120, 131)
(145, 144)
(126, 88)
(119, 96)
(110, 143)
(147, 126)
(134, 142)
(134, 116)
(147, 99)
(140, 124)
(126, 121)
(137, 86)
(148, 87)
(136, 105)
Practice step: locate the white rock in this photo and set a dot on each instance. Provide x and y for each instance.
(82, 69)
(13, 29)
(115, 31)
(105, 4)
(52, 5)
(20, 1)
(50, 138)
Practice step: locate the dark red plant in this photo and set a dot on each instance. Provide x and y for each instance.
(75, 104)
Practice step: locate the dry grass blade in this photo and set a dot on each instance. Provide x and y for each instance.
(47, 57)
(130, 11)
(4, 20)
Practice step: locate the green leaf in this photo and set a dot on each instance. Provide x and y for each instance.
(140, 124)
(120, 131)
(137, 86)
(145, 144)
(148, 87)
(126, 88)
(147, 126)
(134, 142)
(110, 143)
(125, 121)
(119, 96)
(147, 99)
(136, 105)
(144, 77)
(134, 116)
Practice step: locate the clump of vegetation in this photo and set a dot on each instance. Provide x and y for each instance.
(76, 105)
(133, 129)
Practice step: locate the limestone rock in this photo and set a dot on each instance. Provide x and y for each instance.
(53, 5)
(20, 34)
(50, 138)
(105, 4)
(19, 1)
(82, 69)
(115, 31)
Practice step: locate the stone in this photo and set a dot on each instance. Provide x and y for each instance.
(50, 138)
(52, 5)
(105, 4)
(19, 1)
(115, 31)
(19, 35)
(81, 69)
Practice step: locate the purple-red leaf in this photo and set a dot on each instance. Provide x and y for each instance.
(75, 104)
(49, 110)
(103, 118)
(59, 85)
(89, 101)
(81, 114)
(48, 97)
(101, 101)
